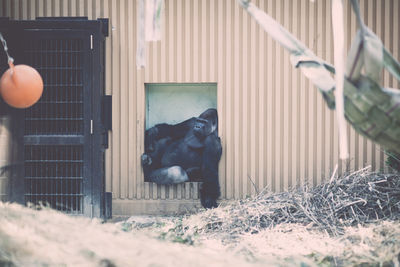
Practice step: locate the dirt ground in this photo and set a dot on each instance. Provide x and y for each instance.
(45, 237)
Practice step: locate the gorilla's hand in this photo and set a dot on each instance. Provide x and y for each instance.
(146, 160)
(151, 138)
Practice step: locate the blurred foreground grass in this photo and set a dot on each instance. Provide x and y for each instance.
(348, 221)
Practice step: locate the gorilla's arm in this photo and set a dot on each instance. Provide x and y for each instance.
(210, 190)
(157, 139)
(162, 130)
(151, 160)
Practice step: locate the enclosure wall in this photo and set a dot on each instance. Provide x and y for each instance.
(275, 128)
(6, 142)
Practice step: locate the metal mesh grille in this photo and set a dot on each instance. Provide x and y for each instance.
(54, 175)
(60, 109)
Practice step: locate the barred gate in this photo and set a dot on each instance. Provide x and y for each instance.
(63, 135)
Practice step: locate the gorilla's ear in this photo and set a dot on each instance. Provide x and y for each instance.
(214, 128)
(193, 142)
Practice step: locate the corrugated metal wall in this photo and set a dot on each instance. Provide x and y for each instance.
(5, 157)
(275, 128)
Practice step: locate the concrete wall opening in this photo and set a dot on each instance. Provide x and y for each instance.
(175, 102)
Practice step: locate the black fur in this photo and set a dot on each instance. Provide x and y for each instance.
(187, 151)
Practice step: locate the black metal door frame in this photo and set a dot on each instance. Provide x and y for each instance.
(96, 203)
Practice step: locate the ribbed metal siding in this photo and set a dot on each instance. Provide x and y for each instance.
(275, 128)
(6, 157)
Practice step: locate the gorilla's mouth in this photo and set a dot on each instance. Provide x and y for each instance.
(194, 141)
(200, 136)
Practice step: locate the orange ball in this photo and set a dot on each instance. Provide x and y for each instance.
(21, 86)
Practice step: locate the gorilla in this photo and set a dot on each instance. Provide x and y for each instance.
(187, 151)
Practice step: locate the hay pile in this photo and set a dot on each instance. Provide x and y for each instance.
(349, 221)
(354, 199)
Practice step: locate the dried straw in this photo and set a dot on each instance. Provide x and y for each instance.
(354, 199)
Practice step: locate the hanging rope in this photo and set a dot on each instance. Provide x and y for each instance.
(338, 45)
(3, 41)
(149, 16)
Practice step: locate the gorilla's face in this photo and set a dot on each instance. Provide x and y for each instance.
(206, 123)
(201, 128)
